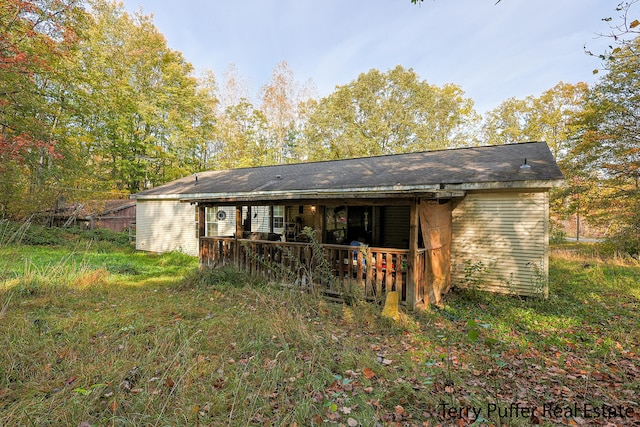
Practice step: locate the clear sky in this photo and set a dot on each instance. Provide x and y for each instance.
(514, 48)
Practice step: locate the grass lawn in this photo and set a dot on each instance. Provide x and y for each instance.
(98, 334)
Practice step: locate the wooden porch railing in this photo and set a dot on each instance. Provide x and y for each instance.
(375, 270)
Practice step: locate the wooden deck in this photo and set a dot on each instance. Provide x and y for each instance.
(339, 267)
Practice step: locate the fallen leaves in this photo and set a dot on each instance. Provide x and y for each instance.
(368, 373)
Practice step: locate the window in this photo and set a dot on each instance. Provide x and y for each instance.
(278, 217)
(211, 225)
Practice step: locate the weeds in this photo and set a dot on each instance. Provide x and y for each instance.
(313, 274)
(540, 282)
(172, 345)
(474, 275)
(11, 233)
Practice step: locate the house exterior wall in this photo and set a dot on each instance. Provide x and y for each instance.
(166, 225)
(227, 227)
(500, 242)
(169, 225)
(260, 220)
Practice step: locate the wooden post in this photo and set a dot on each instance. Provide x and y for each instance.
(202, 211)
(247, 224)
(318, 223)
(413, 276)
(238, 235)
(271, 219)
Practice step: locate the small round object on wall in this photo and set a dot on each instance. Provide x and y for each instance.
(222, 215)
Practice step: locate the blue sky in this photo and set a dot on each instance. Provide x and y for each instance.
(492, 51)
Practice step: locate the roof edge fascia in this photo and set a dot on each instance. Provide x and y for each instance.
(358, 192)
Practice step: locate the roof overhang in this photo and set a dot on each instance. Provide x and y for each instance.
(297, 197)
(440, 191)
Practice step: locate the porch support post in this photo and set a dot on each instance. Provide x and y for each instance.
(271, 219)
(247, 223)
(413, 275)
(238, 235)
(203, 256)
(318, 223)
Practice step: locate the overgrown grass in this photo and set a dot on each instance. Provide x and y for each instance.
(127, 339)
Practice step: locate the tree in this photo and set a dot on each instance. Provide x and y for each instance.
(623, 31)
(235, 88)
(507, 123)
(138, 102)
(205, 123)
(243, 132)
(384, 113)
(281, 100)
(609, 146)
(549, 117)
(35, 37)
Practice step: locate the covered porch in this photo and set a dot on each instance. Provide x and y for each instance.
(340, 247)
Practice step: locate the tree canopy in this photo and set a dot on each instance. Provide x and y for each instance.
(607, 147)
(549, 117)
(94, 104)
(35, 39)
(385, 113)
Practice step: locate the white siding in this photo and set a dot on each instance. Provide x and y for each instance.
(508, 234)
(227, 227)
(260, 220)
(166, 225)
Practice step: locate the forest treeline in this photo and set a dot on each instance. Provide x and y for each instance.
(94, 104)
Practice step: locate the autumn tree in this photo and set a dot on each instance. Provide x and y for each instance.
(385, 113)
(608, 147)
(242, 132)
(234, 88)
(244, 138)
(140, 101)
(281, 100)
(35, 36)
(549, 117)
(623, 30)
(205, 122)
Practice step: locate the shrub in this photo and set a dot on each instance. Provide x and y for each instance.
(105, 235)
(37, 235)
(556, 234)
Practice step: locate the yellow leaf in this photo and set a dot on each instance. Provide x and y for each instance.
(634, 24)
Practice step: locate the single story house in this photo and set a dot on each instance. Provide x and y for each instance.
(417, 223)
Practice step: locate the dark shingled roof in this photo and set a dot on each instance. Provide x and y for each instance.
(454, 169)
